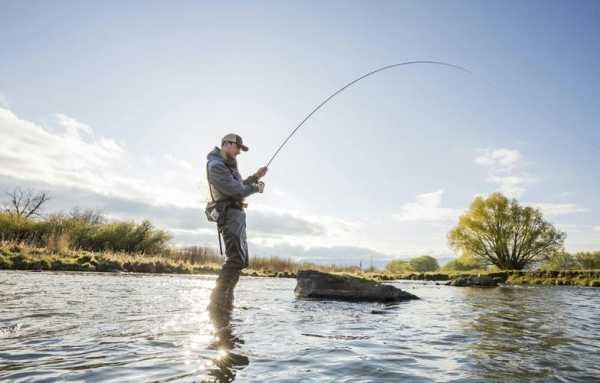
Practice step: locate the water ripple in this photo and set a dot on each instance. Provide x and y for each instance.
(155, 328)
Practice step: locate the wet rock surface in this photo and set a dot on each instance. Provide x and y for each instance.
(475, 281)
(315, 284)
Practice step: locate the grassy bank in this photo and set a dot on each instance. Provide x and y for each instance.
(197, 260)
(194, 260)
(589, 278)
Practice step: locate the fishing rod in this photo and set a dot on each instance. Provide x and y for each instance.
(349, 85)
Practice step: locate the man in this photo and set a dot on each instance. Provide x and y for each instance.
(228, 191)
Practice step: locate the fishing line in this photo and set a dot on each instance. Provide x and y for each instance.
(349, 85)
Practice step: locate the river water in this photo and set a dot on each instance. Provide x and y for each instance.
(155, 328)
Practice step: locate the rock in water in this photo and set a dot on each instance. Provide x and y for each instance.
(315, 284)
(473, 281)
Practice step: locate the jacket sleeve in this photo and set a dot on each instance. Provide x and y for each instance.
(251, 180)
(223, 180)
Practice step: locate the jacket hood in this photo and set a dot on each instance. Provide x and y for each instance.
(215, 155)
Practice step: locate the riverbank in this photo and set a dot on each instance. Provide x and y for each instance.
(589, 278)
(23, 257)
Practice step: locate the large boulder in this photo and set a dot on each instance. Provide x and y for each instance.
(475, 281)
(315, 284)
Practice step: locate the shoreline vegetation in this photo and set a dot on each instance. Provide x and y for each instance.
(198, 260)
(87, 241)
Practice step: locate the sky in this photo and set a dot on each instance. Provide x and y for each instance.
(114, 105)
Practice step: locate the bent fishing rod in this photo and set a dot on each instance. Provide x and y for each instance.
(349, 85)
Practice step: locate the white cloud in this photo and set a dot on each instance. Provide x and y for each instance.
(502, 164)
(512, 186)
(4, 101)
(340, 255)
(76, 129)
(68, 154)
(581, 237)
(505, 158)
(178, 162)
(556, 209)
(427, 207)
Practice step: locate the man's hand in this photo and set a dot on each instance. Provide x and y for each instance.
(261, 172)
(261, 186)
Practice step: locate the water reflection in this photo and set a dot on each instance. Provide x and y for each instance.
(227, 362)
(518, 337)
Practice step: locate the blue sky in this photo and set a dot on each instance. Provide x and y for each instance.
(114, 106)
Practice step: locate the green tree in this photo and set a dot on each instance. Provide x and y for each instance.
(424, 263)
(505, 233)
(465, 262)
(588, 260)
(561, 260)
(398, 266)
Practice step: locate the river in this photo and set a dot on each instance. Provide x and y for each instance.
(155, 328)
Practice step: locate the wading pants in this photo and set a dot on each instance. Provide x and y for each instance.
(233, 231)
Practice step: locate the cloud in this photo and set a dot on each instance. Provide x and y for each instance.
(273, 223)
(427, 207)
(339, 255)
(4, 101)
(77, 130)
(178, 162)
(580, 237)
(511, 185)
(68, 154)
(505, 158)
(556, 209)
(502, 164)
(186, 220)
(83, 170)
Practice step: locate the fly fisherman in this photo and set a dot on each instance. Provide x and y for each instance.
(226, 208)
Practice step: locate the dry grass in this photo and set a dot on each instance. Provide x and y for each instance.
(21, 255)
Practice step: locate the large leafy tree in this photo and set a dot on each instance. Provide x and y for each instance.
(505, 233)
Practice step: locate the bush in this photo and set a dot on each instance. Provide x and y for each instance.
(465, 263)
(398, 266)
(588, 260)
(421, 264)
(560, 261)
(60, 232)
(424, 263)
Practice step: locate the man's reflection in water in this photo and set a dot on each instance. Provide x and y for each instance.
(227, 363)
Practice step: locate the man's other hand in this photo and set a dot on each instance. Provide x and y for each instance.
(261, 186)
(261, 172)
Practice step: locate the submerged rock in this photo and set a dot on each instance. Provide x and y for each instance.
(473, 281)
(315, 284)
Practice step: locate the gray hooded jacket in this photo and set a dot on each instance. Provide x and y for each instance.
(225, 181)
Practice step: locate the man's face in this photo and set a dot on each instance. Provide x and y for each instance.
(231, 149)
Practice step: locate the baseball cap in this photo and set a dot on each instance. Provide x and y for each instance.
(232, 137)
